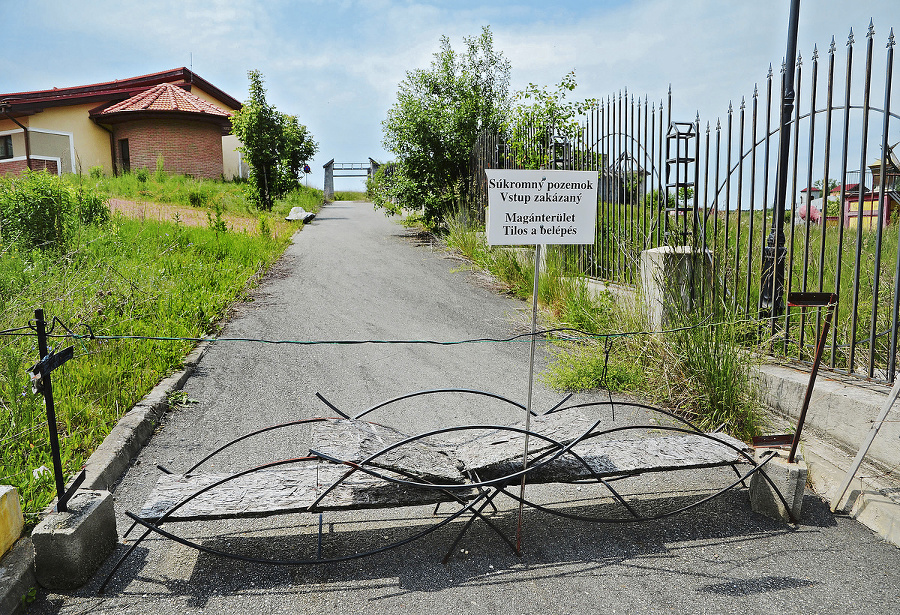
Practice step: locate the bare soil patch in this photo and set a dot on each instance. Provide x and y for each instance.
(190, 216)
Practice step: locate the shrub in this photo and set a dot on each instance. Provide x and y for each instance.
(96, 172)
(36, 211)
(217, 222)
(93, 208)
(142, 175)
(264, 226)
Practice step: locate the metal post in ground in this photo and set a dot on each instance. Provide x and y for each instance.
(772, 287)
(47, 390)
(534, 314)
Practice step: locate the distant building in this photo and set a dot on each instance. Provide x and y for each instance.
(173, 117)
(887, 199)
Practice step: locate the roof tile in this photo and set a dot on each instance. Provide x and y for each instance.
(165, 97)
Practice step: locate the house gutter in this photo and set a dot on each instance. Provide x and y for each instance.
(5, 109)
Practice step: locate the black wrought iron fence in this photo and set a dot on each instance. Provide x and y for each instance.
(712, 186)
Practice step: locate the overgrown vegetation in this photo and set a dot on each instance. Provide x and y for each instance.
(540, 115)
(38, 211)
(700, 367)
(112, 276)
(349, 195)
(162, 187)
(432, 127)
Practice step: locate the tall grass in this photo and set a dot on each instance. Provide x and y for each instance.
(700, 367)
(350, 195)
(162, 187)
(813, 255)
(128, 277)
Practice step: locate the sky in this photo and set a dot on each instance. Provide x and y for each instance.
(336, 64)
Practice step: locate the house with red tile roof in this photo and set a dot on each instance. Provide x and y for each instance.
(173, 118)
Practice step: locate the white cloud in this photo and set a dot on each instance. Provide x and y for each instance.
(336, 64)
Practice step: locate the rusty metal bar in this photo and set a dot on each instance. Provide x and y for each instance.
(805, 300)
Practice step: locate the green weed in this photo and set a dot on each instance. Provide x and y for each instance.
(702, 368)
(126, 278)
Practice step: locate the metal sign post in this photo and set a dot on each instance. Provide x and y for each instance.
(538, 208)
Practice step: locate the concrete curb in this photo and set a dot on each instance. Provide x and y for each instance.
(16, 577)
(871, 499)
(841, 413)
(103, 469)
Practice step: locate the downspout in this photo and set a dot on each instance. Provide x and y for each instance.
(27, 137)
(112, 148)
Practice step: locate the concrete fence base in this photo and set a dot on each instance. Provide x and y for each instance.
(789, 478)
(669, 277)
(70, 546)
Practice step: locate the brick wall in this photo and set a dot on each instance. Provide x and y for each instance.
(187, 147)
(17, 167)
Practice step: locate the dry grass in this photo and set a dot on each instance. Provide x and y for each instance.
(194, 216)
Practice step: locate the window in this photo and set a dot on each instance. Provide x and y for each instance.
(125, 155)
(6, 147)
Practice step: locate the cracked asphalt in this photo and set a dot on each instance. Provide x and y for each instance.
(353, 274)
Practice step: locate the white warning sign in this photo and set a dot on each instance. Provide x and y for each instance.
(541, 207)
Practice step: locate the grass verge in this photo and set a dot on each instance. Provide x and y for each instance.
(127, 277)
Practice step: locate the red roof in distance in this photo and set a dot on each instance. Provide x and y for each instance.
(26, 103)
(164, 97)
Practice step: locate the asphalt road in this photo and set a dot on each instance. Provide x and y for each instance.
(352, 274)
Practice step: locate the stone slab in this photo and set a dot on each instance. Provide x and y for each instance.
(425, 460)
(607, 457)
(271, 492)
(298, 213)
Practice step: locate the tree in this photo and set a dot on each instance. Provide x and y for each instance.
(436, 120)
(540, 115)
(297, 146)
(274, 144)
